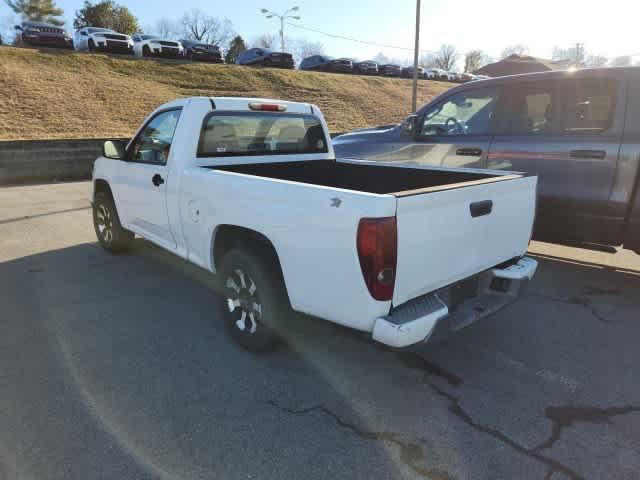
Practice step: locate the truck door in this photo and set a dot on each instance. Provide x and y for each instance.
(456, 132)
(567, 132)
(144, 179)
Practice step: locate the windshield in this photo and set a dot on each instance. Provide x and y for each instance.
(96, 30)
(261, 133)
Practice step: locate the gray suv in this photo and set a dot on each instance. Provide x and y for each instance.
(578, 131)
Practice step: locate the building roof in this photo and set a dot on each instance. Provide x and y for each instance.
(516, 64)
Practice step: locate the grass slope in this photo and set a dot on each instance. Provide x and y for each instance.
(47, 94)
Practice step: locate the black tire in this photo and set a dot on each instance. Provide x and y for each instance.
(146, 52)
(92, 46)
(106, 223)
(255, 299)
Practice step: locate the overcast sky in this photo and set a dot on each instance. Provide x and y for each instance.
(608, 28)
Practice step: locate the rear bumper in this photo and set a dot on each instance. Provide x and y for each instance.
(430, 318)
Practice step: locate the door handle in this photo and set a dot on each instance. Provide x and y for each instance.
(479, 209)
(469, 152)
(588, 154)
(157, 180)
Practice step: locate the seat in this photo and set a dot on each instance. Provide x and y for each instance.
(220, 137)
(291, 139)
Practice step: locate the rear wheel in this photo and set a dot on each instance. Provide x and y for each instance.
(111, 235)
(255, 300)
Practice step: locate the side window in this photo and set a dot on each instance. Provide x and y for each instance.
(590, 105)
(465, 113)
(153, 143)
(530, 109)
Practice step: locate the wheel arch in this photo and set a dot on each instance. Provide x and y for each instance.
(227, 237)
(101, 185)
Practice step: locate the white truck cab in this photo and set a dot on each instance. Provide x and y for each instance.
(250, 190)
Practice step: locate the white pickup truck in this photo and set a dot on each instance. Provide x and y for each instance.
(250, 189)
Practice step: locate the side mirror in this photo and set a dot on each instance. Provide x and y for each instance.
(410, 125)
(114, 149)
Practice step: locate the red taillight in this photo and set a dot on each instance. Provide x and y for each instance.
(377, 244)
(267, 107)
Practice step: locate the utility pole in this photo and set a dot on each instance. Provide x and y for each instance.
(414, 96)
(579, 54)
(284, 16)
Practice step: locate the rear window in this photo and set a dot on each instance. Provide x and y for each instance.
(227, 134)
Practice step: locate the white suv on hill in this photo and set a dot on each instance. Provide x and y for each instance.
(152, 46)
(90, 39)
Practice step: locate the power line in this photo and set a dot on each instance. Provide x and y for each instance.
(351, 39)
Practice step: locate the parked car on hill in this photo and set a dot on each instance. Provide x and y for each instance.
(434, 73)
(264, 57)
(324, 63)
(366, 67)
(578, 131)
(250, 189)
(90, 39)
(407, 72)
(202, 52)
(44, 34)
(152, 46)
(390, 70)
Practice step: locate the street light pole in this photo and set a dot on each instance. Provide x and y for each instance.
(284, 16)
(414, 96)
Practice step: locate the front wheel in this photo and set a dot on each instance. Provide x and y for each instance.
(255, 302)
(146, 52)
(111, 235)
(91, 45)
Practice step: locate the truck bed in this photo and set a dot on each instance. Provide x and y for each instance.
(382, 179)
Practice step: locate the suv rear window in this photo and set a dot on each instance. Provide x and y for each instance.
(260, 133)
(590, 106)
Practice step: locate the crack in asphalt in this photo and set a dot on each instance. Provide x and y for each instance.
(38, 215)
(416, 361)
(410, 453)
(565, 416)
(458, 411)
(581, 301)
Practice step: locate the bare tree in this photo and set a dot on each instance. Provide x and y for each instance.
(514, 50)
(574, 55)
(427, 60)
(302, 48)
(266, 40)
(381, 59)
(446, 57)
(165, 28)
(197, 25)
(474, 59)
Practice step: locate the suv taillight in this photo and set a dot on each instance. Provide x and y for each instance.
(377, 244)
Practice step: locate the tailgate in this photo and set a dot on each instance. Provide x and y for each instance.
(448, 235)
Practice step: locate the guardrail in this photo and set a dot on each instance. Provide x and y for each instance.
(46, 161)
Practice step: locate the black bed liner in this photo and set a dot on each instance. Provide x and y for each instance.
(371, 178)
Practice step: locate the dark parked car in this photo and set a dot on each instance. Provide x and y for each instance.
(367, 67)
(44, 34)
(264, 57)
(202, 52)
(390, 70)
(323, 63)
(579, 132)
(407, 72)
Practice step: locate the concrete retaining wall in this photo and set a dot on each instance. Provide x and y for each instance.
(43, 161)
(31, 161)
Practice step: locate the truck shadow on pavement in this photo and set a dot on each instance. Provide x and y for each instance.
(131, 350)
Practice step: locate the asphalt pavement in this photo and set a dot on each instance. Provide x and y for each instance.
(119, 367)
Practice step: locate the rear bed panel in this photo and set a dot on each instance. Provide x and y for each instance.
(440, 242)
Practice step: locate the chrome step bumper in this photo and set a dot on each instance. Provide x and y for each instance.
(429, 318)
